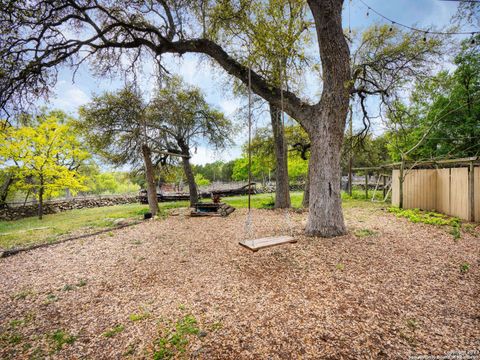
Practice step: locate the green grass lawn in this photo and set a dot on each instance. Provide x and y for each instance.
(31, 230)
(260, 201)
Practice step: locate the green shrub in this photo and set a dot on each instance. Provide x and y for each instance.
(455, 232)
(270, 204)
(201, 181)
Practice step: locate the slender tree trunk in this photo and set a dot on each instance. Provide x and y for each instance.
(26, 198)
(4, 189)
(192, 187)
(151, 188)
(40, 200)
(187, 169)
(306, 190)
(282, 193)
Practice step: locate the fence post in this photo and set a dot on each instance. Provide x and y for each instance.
(366, 184)
(350, 160)
(400, 183)
(471, 194)
(350, 177)
(384, 185)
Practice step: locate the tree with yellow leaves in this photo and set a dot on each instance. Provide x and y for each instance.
(44, 157)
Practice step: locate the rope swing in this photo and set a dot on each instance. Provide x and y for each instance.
(250, 242)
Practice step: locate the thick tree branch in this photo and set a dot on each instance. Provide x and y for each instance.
(292, 104)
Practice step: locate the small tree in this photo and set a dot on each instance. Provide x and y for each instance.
(44, 158)
(115, 126)
(184, 119)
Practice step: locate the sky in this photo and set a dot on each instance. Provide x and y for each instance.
(70, 93)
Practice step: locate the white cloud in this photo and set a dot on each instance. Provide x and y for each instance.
(68, 97)
(229, 107)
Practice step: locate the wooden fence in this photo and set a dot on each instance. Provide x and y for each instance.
(452, 191)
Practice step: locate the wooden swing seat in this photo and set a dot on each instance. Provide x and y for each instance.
(257, 244)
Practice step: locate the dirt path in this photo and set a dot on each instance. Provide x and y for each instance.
(390, 294)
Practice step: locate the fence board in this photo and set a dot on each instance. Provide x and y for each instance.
(395, 188)
(459, 192)
(415, 185)
(443, 191)
(476, 195)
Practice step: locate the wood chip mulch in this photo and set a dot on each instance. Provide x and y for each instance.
(398, 290)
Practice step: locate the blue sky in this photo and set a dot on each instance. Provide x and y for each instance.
(68, 95)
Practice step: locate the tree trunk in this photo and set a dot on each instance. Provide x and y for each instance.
(325, 122)
(40, 201)
(4, 189)
(306, 190)
(325, 216)
(282, 193)
(151, 188)
(192, 187)
(187, 169)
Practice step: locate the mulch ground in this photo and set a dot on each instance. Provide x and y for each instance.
(396, 291)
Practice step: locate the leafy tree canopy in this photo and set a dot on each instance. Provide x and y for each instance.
(44, 157)
(442, 118)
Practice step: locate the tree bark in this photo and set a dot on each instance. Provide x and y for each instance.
(192, 186)
(4, 189)
(282, 192)
(306, 190)
(187, 169)
(40, 200)
(325, 124)
(150, 178)
(325, 216)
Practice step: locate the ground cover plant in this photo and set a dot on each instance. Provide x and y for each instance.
(430, 217)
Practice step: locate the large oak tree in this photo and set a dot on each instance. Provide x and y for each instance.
(39, 36)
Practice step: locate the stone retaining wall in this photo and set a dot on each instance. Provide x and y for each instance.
(14, 213)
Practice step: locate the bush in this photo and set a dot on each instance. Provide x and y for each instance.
(201, 181)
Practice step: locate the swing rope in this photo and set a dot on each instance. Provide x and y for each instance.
(249, 226)
(249, 221)
(288, 222)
